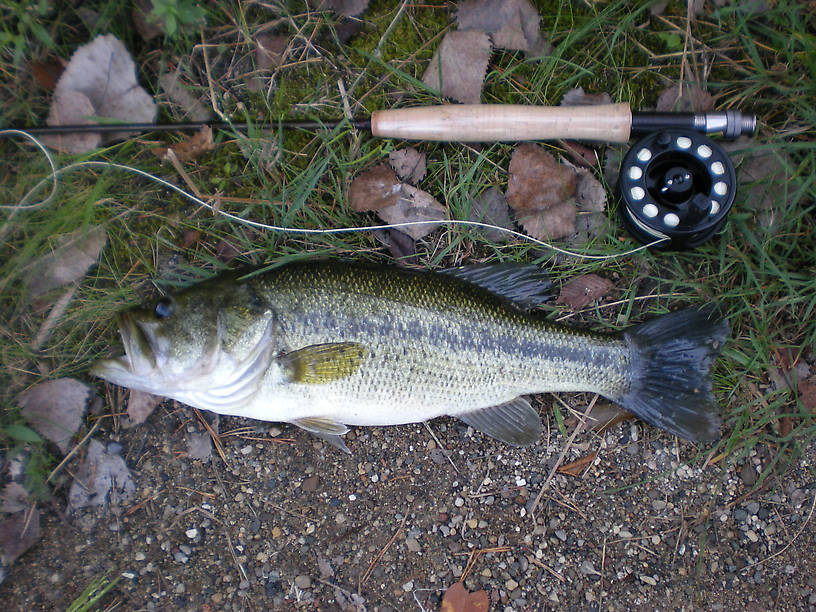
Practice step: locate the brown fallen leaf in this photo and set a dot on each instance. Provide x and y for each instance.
(103, 74)
(401, 246)
(374, 189)
(103, 479)
(269, 50)
(578, 97)
(74, 255)
(458, 599)
(491, 208)
(590, 194)
(459, 65)
(179, 95)
(189, 148)
(18, 533)
(513, 24)
(46, 74)
(141, 405)
(582, 290)
(56, 408)
(690, 98)
(540, 191)
(414, 205)
(409, 164)
(577, 467)
(807, 393)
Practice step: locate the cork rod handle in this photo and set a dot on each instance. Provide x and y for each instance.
(504, 123)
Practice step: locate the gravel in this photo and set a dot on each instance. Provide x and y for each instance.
(303, 526)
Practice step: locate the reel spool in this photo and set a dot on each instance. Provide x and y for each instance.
(676, 184)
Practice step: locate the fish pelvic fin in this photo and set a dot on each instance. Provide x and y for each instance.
(325, 428)
(514, 422)
(671, 362)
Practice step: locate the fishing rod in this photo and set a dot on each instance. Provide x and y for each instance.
(676, 184)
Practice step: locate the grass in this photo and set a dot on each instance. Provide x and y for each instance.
(762, 273)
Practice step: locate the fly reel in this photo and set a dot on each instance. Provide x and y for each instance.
(678, 186)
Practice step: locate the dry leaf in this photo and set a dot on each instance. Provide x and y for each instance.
(13, 498)
(194, 110)
(141, 405)
(349, 8)
(72, 108)
(191, 147)
(491, 207)
(590, 195)
(764, 177)
(374, 189)
(807, 393)
(582, 290)
(457, 599)
(55, 408)
(270, 50)
(103, 479)
(102, 72)
(46, 74)
(577, 467)
(690, 98)
(148, 28)
(459, 65)
(514, 24)
(401, 246)
(409, 164)
(199, 445)
(18, 533)
(75, 254)
(325, 568)
(414, 205)
(540, 191)
(578, 97)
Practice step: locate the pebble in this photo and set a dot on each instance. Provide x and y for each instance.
(191, 533)
(561, 535)
(751, 535)
(408, 586)
(648, 580)
(459, 502)
(472, 523)
(511, 585)
(413, 545)
(303, 582)
(139, 556)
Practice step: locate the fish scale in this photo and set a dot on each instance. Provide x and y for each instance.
(324, 345)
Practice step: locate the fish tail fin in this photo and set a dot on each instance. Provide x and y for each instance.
(671, 359)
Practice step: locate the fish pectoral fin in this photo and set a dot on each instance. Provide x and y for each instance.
(323, 363)
(326, 428)
(514, 422)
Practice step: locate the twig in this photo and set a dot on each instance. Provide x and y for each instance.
(474, 557)
(215, 437)
(578, 429)
(376, 560)
(59, 308)
(439, 446)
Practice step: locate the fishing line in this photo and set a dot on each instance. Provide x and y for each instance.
(55, 172)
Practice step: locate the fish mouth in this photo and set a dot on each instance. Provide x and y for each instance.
(138, 359)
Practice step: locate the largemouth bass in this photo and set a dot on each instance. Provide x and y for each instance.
(325, 345)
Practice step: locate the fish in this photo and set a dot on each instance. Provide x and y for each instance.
(330, 344)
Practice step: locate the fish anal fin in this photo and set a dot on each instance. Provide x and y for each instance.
(323, 363)
(325, 428)
(514, 422)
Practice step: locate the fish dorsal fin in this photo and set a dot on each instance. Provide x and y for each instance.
(326, 428)
(323, 363)
(514, 422)
(525, 285)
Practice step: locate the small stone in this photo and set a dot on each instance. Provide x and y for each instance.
(561, 535)
(511, 585)
(303, 582)
(751, 535)
(276, 532)
(191, 533)
(413, 545)
(487, 573)
(340, 518)
(459, 502)
(408, 586)
(139, 556)
(310, 484)
(472, 523)
(648, 580)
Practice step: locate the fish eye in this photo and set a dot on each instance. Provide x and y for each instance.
(164, 308)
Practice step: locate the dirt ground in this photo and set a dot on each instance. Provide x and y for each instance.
(289, 522)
